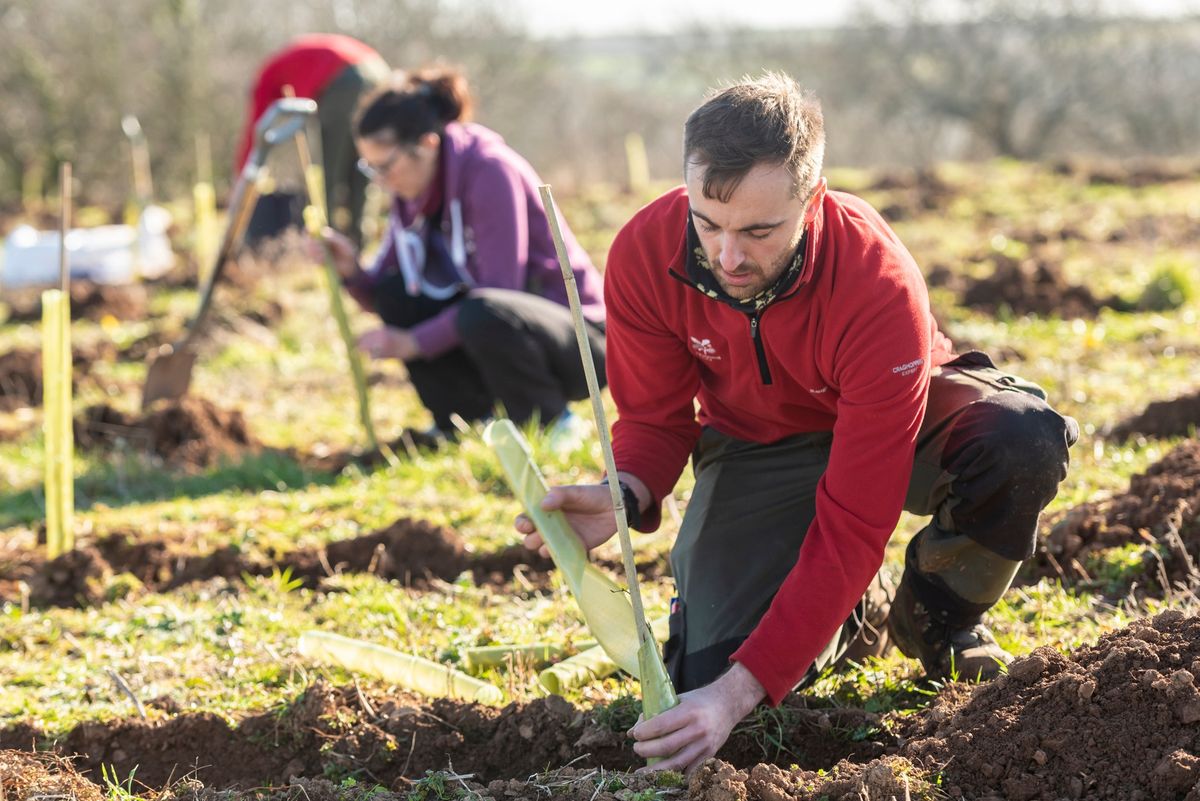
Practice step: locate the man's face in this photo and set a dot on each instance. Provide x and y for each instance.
(750, 240)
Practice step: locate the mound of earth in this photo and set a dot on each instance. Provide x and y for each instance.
(89, 301)
(1171, 418)
(1120, 719)
(20, 379)
(1161, 510)
(39, 777)
(886, 778)
(1135, 173)
(396, 738)
(190, 433)
(21, 374)
(913, 192)
(1026, 286)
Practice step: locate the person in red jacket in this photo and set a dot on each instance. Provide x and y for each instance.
(828, 401)
(335, 71)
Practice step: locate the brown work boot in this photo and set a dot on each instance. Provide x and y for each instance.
(963, 649)
(872, 613)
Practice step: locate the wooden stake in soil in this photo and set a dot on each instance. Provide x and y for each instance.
(658, 695)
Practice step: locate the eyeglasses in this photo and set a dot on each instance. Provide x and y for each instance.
(377, 172)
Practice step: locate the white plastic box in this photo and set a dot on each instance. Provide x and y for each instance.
(107, 254)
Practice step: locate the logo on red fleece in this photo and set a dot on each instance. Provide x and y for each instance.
(704, 349)
(908, 368)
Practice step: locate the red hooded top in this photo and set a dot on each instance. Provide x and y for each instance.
(847, 347)
(308, 64)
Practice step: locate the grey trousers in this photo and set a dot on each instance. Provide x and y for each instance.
(990, 455)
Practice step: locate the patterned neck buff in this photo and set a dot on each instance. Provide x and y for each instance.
(700, 272)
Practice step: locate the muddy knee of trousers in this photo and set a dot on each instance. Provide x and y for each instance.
(1008, 453)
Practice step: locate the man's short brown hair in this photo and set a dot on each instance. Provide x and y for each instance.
(764, 120)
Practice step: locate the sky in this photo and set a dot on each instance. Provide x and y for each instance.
(555, 18)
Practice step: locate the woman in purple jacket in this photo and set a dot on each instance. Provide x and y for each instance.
(467, 282)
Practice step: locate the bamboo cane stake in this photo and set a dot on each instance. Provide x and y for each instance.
(589, 368)
(653, 674)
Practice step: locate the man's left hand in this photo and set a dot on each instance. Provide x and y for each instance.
(695, 730)
(390, 343)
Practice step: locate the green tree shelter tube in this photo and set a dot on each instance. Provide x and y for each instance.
(588, 666)
(404, 670)
(537, 654)
(604, 603)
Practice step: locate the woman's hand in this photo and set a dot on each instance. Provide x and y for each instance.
(389, 343)
(339, 249)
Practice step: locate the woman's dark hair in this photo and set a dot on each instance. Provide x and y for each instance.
(413, 104)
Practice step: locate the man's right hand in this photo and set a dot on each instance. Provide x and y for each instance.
(588, 508)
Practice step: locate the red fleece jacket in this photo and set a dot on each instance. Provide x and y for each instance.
(848, 348)
(308, 64)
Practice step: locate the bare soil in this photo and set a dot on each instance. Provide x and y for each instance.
(21, 374)
(20, 379)
(411, 552)
(1033, 285)
(391, 740)
(913, 192)
(89, 301)
(1161, 509)
(1135, 173)
(1168, 418)
(1119, 719)
(191, 433)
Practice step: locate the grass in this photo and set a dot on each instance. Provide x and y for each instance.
(229, 647)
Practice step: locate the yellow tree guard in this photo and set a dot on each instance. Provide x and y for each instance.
(404, 670)
(589, 665)
(604, 603)
(204, 228)
(56, 423)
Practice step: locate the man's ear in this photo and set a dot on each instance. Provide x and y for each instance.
(813, 207)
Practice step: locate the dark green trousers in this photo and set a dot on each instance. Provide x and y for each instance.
(345, 185)
(990, 455)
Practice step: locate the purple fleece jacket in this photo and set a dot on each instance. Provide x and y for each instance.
(507, 234)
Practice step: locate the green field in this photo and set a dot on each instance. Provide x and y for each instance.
(226, 644)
